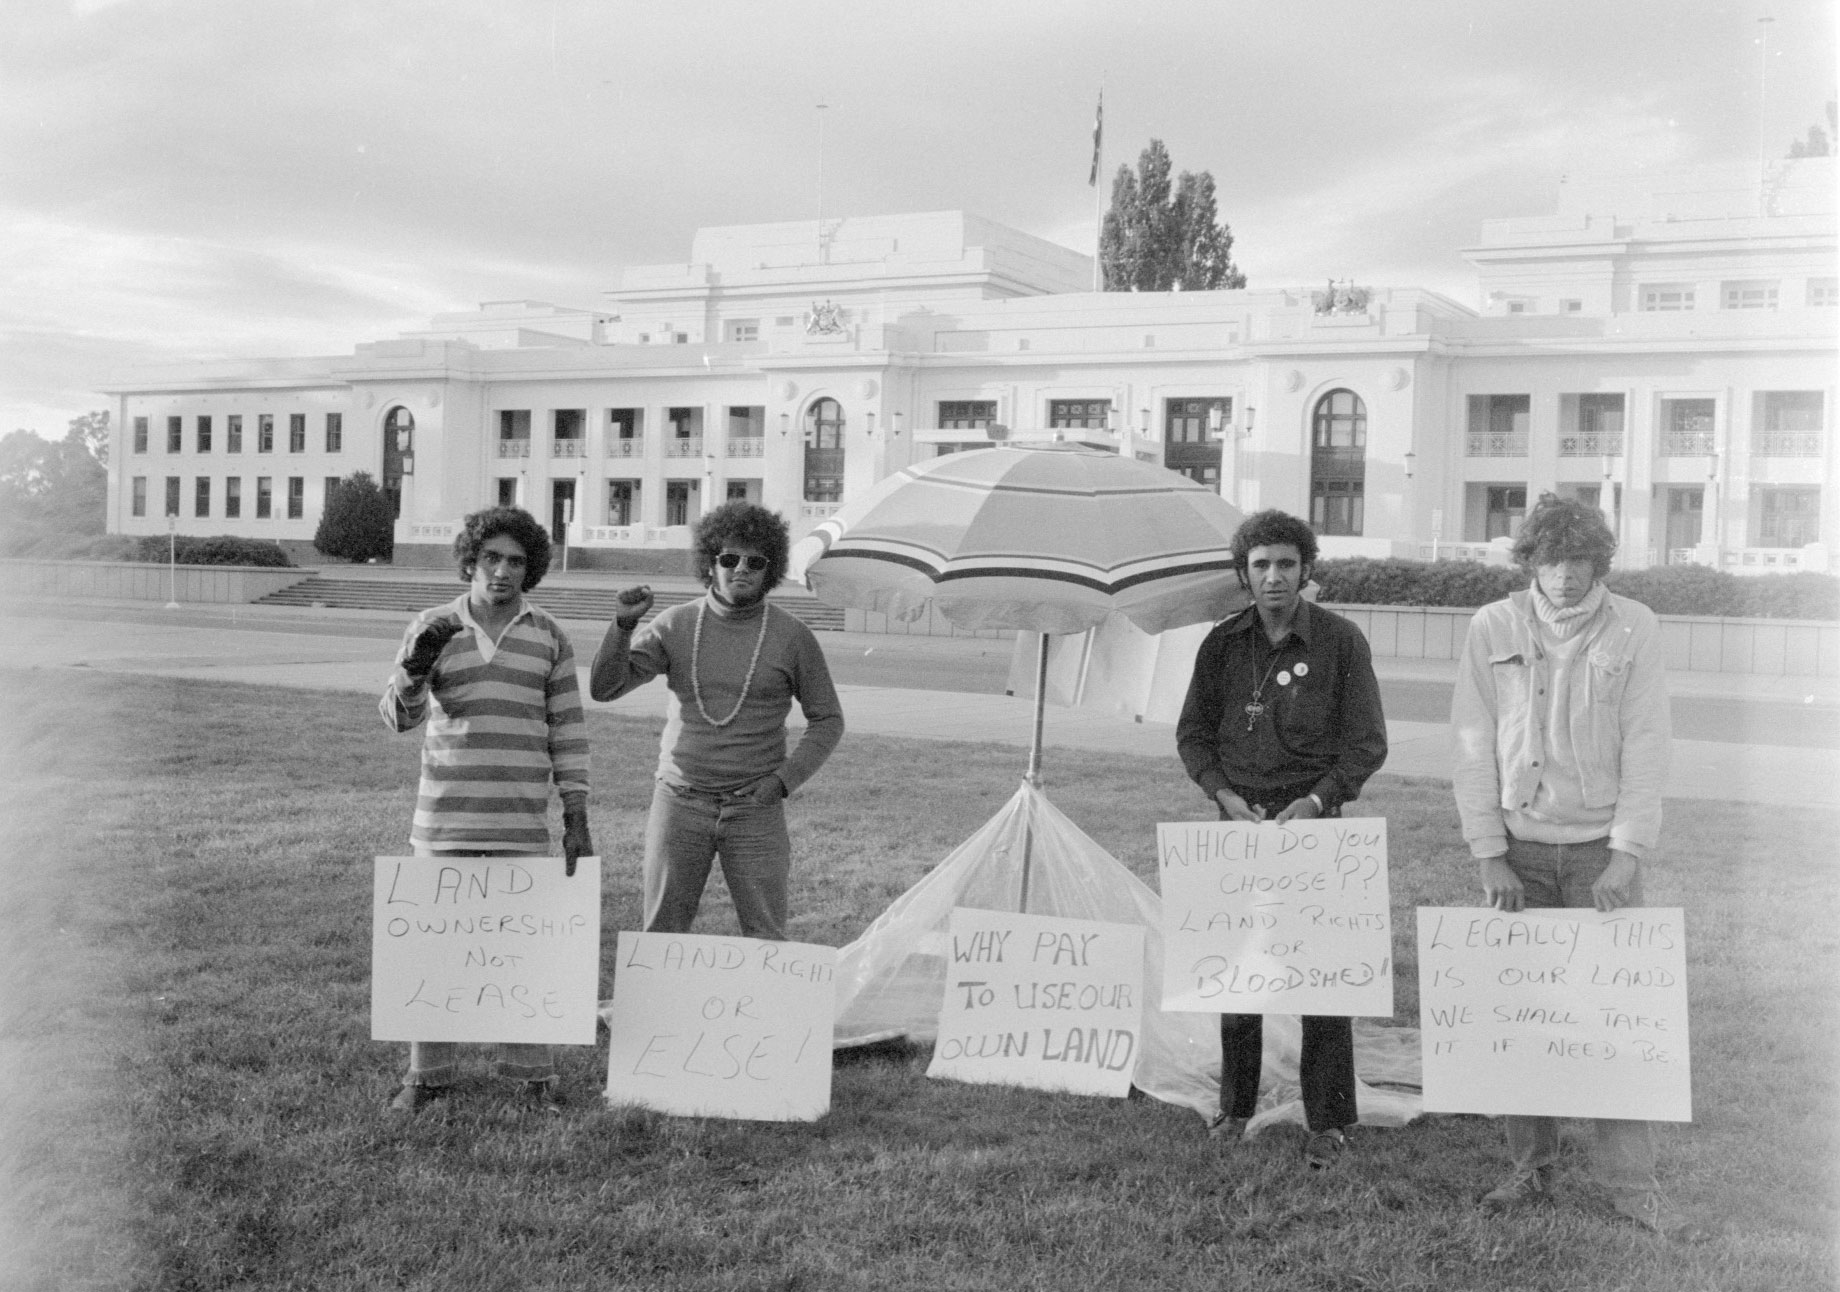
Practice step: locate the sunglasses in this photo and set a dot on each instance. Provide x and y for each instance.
(729, 560)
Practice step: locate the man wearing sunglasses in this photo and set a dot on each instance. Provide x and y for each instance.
(734, 665)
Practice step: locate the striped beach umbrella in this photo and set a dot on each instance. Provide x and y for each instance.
(1047, 539)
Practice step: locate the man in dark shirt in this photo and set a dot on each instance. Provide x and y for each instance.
(1282, 722)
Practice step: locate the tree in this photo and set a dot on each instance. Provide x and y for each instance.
(58, 486)
(1155, 239)
(357, 522)
(1820, 142)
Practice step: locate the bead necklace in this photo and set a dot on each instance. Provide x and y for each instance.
(696, 685)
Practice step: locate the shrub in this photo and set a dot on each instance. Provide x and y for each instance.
(220, 549)
(358, 523)
(1395, 581)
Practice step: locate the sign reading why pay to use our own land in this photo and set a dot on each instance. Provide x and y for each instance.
(1276, 919)
(1555, 1012)
(485, 949)
(1041, 1002)
(722, 1027)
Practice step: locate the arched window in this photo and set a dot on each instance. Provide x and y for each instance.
(398, 443)
(824, 451)
(1338, 463)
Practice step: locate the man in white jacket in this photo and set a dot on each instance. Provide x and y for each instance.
(1562, 731)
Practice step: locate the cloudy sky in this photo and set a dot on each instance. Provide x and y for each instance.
(205, 178)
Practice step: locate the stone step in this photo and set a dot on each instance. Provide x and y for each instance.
(565, 603)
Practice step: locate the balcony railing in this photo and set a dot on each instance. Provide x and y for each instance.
(746, 446)
(1787, 444)
(818, 510)
(570, 448)
(514, 448)
(1497, 444)
(630, 446)
(1591, 444)
(1686, 444)
(684, 446)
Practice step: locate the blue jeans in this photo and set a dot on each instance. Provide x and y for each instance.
(1622, 1152)
(437, 1063)
(686, 831)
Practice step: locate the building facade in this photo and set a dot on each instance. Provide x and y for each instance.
(1665, 351)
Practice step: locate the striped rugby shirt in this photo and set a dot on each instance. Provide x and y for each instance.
(505, 720)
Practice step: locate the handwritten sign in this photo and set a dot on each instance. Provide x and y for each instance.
(1554, 1013)
(1045, 1003)
(1276, 919)
(485, 949)
(722, 1027)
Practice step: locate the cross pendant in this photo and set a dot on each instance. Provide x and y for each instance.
(1253, 711)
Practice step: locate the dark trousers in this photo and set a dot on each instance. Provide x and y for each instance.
(1325, 1068)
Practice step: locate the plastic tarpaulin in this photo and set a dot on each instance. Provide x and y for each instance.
(890, 981)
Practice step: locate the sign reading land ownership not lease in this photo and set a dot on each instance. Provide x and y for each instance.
(1042, 1002)
(722, 1027)
(1276, 919)
(1554, 1013)
(485, 949)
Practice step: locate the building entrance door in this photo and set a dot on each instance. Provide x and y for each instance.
(561, 509)
(1686, 510)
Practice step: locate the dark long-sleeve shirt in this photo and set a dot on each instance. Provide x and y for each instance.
(1321, 727)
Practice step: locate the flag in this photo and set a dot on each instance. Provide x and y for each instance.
(1092, 180)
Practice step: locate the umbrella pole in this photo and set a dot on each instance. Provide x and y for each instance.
(1041, 705)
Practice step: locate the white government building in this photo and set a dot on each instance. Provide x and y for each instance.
(1665, 349)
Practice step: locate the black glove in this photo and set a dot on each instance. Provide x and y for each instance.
(429, 643)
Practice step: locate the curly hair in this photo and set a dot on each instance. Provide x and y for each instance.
(514, 523)
(1266, 528)
(744, 524)
(1564, 529)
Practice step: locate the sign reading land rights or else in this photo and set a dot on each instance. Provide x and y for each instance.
(1554, 1012)
(1041, 1002)
(485, 949)
(1261, 918)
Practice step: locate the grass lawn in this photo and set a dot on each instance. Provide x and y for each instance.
(192, 1100)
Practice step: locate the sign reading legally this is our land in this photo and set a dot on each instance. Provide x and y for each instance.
(1042, 1002)
(485, 949)
(1554, 1012)
(722, 1027)
(1276, 919)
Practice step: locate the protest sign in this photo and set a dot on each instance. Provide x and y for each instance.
(722, 1027)
(1276, 919)
(1554, 1012)
(485, 949)
(1041, 1002)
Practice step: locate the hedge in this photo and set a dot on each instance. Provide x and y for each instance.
(1665, 589)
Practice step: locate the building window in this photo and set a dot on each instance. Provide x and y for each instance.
(624, 438)
(233, 497)
(1195, 421)
(1686, 513)
(1590, 426)
(743, 329)
(747, 428)
(399, 454)
(138, 507)
(172, 495)
(967, 414)
(297, 497)
(265, 432)
(1667, 297)
(514, 432)
(233, 433)
(1824, 292)
(140, 435)
(622, 502)
(686, 437)
(507, 491)
(1498, 426)
(297, 432)
(265, 497)
(1571, 305)
(175, 434)
(568, 432)
(1079, 414)
(824, 452)
(1338, 463)
(1758, 294)
(1505, 508)
(1687, 427)
(201, 496)
(204, 434)
(1788, 424)
(335, 432)
(677, 501)
(325, 497)
(1785, 516)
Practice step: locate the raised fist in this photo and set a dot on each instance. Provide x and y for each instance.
(419, 662)
(634, 604)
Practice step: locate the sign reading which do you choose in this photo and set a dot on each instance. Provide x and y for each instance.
(1276, 919)
(1554, 1013)
(1042, 1002)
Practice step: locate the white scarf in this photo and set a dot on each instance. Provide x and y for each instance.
(1566, 622)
